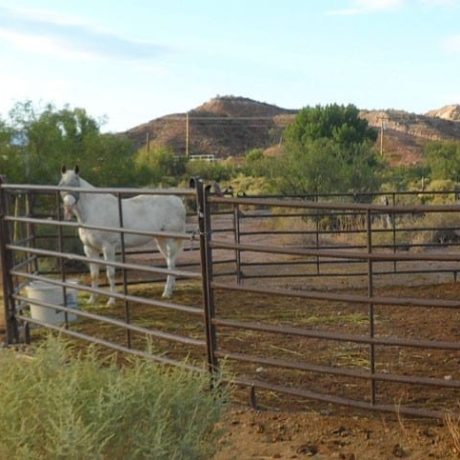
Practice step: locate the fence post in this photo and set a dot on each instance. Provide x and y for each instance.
(11, 324)
(62, 267)
(317, 233)
(123, 271)
(204, 224)
(370, 293)
(393, 224)
(237, 237)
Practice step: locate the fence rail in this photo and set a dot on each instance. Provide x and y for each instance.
(250, 254)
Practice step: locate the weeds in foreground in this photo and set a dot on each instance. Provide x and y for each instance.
(57, 405)
(453, 427)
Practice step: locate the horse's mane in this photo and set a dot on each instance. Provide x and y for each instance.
(85, 184)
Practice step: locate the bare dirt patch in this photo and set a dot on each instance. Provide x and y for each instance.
(288, 427)
(286, 435)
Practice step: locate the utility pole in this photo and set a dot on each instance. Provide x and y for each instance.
(382, 118)
(147, 141)
(187, 128)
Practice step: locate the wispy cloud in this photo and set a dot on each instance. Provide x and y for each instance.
(356, 7)
(434, 3)
(45, 32)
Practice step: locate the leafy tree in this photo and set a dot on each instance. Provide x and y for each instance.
(402, 177)
(443, 159)
(159, 166)
(329, 149)
(34, 142)
(258, 165)
(10, 161)
(338, 123)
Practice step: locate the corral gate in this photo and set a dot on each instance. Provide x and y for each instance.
(239, 315)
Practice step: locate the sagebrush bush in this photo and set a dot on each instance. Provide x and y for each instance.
(62, 405)
(444, 228)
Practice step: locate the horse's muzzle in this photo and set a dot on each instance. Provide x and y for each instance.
(69, 205)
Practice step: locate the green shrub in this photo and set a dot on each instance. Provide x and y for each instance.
(218, 171)
(59, 404)
(250, 185)
(443, 227)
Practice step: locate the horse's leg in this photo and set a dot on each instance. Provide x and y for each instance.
(170, 249)
(93, 269)
(109, 256)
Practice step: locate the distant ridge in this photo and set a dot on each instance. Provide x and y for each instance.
(448, 112)
(224, 126)
(230, 126)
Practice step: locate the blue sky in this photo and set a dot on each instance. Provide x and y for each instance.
(136, 60)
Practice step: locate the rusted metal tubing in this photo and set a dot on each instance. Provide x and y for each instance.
(204, 222)
(128, 266)
(350, 298)
(336, 206)
(355, 195)
(23, 240)
(61, 223)
(301, 366)
(114, 346)
(338, 274)
(370, 294)
(300, 392)
(336, 336)
(123, 270)
(378, 256)
(302, 232)
(142, 300)
(23, 263)
(99, 190)
(114, 322)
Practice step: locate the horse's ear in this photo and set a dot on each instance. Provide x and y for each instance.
(63, 169)
(77, 169)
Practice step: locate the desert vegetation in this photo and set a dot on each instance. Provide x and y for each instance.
(75, 402)
(60, 402)
(325, 149)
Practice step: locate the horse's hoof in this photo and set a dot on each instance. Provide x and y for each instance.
(91, 300)
(166, 295)
(110, 302)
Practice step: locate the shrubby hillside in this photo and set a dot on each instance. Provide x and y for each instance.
(230, 126)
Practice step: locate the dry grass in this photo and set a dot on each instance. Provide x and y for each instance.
(453, 427)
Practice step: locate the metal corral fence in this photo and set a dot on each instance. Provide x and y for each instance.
(304, 297)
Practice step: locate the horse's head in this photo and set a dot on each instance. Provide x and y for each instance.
(69, 178)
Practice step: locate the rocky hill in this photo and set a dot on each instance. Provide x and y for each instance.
(405, 134)
(230, 126)
(448, 112)
(224, 126)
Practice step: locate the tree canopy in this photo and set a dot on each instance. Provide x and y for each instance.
(329, 149)
(34, 142)
(338, 123)
(443, 159)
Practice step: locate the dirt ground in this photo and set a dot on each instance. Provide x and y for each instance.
(249, 434)
(295, 428)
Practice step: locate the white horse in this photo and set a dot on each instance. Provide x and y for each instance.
(155, 213)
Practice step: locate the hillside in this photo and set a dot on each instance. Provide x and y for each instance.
(224, 126)
(405, 134)
(230, 126)
(448, 112)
